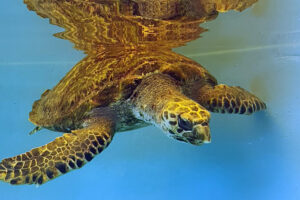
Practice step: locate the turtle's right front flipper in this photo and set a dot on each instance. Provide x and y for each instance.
(227, 99)
(71, 151)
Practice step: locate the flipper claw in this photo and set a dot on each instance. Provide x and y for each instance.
(36, 129)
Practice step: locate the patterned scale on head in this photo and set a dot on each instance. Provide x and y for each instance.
(187, 121)
(159, 100)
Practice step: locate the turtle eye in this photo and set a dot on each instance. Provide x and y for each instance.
(184, 124)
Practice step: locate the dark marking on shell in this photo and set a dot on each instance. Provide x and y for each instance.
(93, 150)
(62, 167)
(226, 103)
(40, 180)
(72, 164)
(17, 173)
(232, 103)
(100, 140)
(50, 173)
(19, 165)
(8, 175)
(6, 163)
(100, 149)
(35, 152)
(29, 155)
(34, 177)
(243, 109)
(26, 164)
(18, 158)
(257, 105)
(250, 109)
(79, 163)
(72, 157)
(27, 179)
(236, 110)
(45, 153)
(24, 157)
(88, 156)
(105, 136)
(15, 181)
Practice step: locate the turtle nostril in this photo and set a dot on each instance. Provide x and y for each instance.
(185, 125)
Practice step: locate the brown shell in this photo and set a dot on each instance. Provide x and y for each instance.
(121, 46)
(104, 79)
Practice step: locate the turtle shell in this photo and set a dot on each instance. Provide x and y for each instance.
(104, 79)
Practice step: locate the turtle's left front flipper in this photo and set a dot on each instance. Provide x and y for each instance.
(71, 151)
(227, 99)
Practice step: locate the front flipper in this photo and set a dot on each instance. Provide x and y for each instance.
(226, 99)
(71, 151)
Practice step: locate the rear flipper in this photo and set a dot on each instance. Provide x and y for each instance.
(71, 151)
(225, 99)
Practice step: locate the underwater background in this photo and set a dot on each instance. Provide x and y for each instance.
(250, 157)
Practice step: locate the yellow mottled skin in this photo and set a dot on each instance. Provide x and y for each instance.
(159, 97)
(71, 151)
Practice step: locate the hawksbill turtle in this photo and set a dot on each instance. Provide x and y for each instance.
(113, 90)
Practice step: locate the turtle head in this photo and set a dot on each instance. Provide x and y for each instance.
(186, 121)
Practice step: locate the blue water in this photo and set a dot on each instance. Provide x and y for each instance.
(250, 157)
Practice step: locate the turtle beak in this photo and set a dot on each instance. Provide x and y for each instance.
(202, 133)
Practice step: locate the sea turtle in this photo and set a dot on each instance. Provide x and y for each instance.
(105, 94)
(119, 88)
